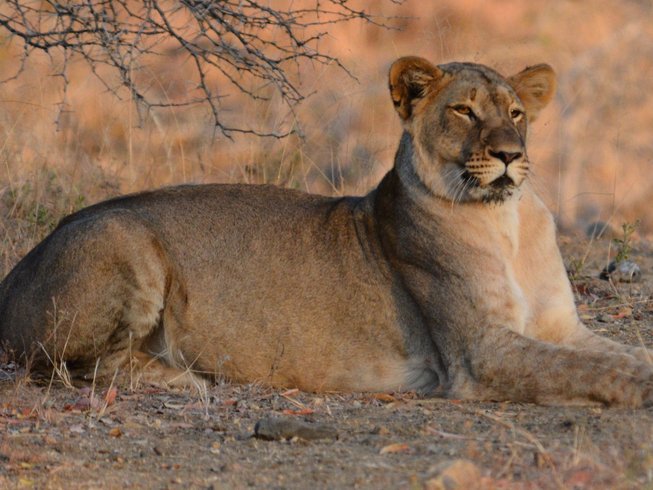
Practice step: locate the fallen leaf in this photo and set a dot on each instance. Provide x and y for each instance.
(579, 479)
(303, 411)
(294, 391)
(398, 447)
(110, 396)
(153, 391)
(174, 406)
(457, 474)
(384, 397)
(624, 312)
(115, 432)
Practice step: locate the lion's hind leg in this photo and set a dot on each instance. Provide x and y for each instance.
(89, 296)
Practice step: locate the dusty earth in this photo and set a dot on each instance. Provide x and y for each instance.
(58, 436)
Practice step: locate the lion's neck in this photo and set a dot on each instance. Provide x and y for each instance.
(407, 165)
(405, 200)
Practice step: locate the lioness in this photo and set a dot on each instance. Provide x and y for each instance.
(445, 279)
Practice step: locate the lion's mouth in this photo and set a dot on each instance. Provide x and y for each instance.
(497, 191)
(502, 182)
(468, 178)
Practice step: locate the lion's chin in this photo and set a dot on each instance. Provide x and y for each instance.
(498, 195)
(498, 191)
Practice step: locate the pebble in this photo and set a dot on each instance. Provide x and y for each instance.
(277, 428)
(622, 271)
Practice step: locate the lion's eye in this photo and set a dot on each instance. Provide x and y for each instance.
(464, 110)
(516, 113)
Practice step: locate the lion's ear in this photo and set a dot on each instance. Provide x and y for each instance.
(411, 78)
(535, 87)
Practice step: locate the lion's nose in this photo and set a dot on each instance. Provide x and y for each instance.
(506, 156)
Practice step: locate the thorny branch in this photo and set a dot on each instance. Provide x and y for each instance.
(249, 43)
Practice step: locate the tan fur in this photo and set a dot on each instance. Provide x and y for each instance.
(445, 279)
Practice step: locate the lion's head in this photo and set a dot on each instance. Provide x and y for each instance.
(468, 124)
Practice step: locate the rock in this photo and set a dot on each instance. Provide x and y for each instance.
(277, 428)
(457, 474)
(622, 271)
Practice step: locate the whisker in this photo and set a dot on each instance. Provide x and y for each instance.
(454, 191)
(451, 181)
(466, 184)
(460, 188)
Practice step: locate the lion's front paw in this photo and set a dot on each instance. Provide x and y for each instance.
(630, 384)
(643, 354)
(639, 393)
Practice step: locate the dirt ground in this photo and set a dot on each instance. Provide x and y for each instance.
(53, 436)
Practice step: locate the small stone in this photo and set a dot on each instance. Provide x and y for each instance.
(76, 429)
(276, 428)
(115, 432)
(622, 271)
(215, 448)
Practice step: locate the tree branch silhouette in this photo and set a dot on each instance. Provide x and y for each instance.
(252, 45)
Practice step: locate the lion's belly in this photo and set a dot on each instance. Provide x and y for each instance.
(313, 324)
(309, 347)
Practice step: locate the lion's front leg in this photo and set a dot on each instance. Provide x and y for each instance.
(582, 337)
(561, 325)
(507, 366)
(541, 275)
(554, 319)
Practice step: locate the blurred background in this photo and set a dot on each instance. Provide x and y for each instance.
(592, 149)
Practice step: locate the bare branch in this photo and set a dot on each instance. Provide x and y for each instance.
(248, 44)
